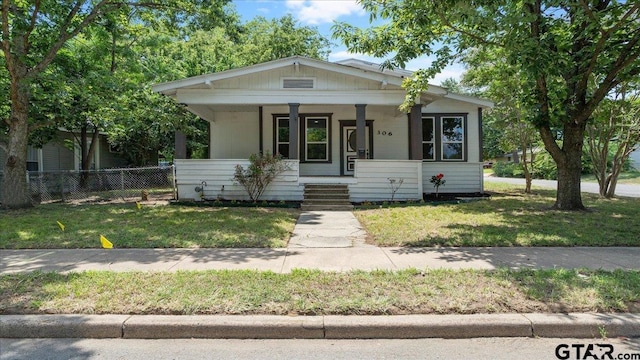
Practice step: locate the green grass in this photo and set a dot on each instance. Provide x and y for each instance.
(509, 218)
(313, 292)
(126, 226)
(629, 177)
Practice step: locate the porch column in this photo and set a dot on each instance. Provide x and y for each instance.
(181, 145)
(293, 131)
(415, 124)
(360, 130)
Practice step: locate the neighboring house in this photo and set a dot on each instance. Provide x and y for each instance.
(56, 156)
(634, 157)
(515, 156)
(348, 130)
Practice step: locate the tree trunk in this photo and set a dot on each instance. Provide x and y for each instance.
(568, 196)
(15, 192)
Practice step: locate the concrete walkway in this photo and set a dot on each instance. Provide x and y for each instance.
(327, 229)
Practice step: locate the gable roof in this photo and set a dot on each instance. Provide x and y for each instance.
(349, 67)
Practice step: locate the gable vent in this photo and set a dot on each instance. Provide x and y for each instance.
(297, 83)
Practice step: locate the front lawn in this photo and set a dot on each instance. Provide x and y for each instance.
(509, 218)
(126, 226)
(313, 292)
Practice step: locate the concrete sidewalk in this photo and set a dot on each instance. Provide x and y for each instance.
(325, 241)
(327, 259)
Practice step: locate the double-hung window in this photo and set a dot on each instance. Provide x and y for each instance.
(452, 137)
(428, 138)
(444, 137)
(316, 139)
(282, 136)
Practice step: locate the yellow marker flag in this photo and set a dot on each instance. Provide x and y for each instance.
(105, 243)
(138, 205)
(61, 225)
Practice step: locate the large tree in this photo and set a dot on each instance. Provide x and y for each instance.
(559, 46)
(34, 31)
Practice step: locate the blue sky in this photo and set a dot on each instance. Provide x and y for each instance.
(322, 14)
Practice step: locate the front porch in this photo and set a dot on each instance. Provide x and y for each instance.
(373, 180)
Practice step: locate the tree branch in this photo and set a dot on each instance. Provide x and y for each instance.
(466, 33)
(611, 80)
(601, 41)
(65, 35)
(32, 25)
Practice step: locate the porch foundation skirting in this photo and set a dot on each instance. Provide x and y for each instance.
(373, 180)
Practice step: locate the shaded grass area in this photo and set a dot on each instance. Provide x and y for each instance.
(312, 292)
(126, 226)
(509, 218)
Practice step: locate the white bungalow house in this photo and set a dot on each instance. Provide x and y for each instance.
(348, 129)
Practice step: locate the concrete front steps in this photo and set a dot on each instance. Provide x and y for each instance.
(326, 197)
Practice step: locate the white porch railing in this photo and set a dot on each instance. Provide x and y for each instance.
(374, 180)
(214, 178)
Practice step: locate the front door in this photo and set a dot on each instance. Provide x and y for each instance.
(350, 148)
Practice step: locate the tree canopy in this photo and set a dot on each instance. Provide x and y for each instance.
(86, 66)
(558, 47)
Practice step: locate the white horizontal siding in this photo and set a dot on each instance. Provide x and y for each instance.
(373, 180)
(218, 175)
(272, 80)
(461, 177)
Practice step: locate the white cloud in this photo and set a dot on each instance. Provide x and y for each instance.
(314, 12)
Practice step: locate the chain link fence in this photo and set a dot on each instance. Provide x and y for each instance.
(102, 185)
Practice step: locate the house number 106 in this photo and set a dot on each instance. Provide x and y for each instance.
(385, 133)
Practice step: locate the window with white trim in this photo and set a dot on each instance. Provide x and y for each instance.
(316, 138)
(33, 159)
(444, 137)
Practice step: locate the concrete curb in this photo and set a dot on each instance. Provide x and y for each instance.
(319, 327)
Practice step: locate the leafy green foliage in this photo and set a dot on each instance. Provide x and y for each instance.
(508, 169)
(545, 166)
(555, 47)
(262, 170)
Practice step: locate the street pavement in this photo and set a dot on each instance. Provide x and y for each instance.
(626, 190)
(165, 349)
